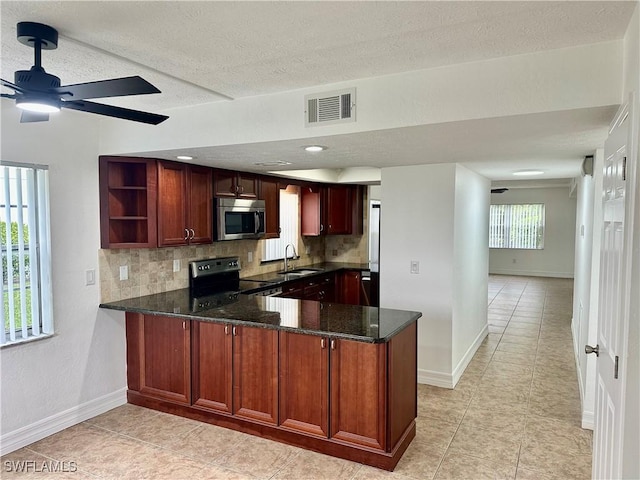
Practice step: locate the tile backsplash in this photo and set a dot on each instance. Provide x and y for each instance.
(150, 270)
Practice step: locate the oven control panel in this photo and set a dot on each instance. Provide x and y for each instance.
(212, 266)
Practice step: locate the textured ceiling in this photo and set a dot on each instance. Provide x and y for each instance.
(201, 52)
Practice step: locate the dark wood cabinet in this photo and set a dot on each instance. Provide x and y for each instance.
(128, 190)
(185, 209)
(235, 370)
(358, 393)
(331, 210)
(304, 383)
(255, 373)
(159, 357)
(231, 184)
(270, 193)
(349, 287)
(212, 366)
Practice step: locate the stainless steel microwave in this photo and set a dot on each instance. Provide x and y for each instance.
(239, 218)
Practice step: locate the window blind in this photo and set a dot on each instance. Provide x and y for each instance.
(273, 248)
(24, 243)
(516, 226)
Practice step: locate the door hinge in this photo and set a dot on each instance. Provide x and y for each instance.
(624, 168)
(615, 368)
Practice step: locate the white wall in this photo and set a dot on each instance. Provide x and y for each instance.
(557, 257)
(53, 383)
(428, 216)
(470, 266)
(586, 283)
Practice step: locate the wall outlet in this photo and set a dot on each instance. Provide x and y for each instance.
(415, 267)
(124, 272)
(513, 260)
(176, 265)
(307, 249)
(249, 257)
(90, 277)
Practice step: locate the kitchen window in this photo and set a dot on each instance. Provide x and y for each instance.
(516, 226)
(26, 255)
(273, 248)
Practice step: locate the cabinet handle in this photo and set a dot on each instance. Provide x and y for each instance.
(186, 234)
(321, 227)
(226, 329)
(184, 324)
(333, 344)
(193, 233)
(323, 343)
(234, 331)
(241, 189)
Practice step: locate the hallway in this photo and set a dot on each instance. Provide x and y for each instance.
(514, 414)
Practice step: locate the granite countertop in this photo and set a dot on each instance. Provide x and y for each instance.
(275, 278)
(353, 322)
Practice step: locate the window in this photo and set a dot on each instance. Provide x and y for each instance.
(516, 226)
(273, 248)
(24, 242)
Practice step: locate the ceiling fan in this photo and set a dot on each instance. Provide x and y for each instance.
(39, 93)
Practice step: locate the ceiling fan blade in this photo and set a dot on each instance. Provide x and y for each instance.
(116, 87)
(29, 117)
(13, 86)
(117, 112)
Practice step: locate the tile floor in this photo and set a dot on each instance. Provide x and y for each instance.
(514, 414)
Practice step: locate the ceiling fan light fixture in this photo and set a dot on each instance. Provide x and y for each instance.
(38, 105)
(528, 173)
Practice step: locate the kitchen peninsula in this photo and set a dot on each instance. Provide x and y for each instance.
(337, 379)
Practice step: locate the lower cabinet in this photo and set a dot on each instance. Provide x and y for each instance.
(235, 370)
(350, 399)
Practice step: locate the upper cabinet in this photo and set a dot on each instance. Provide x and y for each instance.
(128, 202)
(185, 204)
(227, 183)
(270, 193)
(331, 210)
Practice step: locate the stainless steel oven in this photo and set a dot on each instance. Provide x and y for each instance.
(239, 218)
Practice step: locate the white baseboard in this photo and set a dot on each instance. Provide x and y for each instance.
(24, 436)
(448, 380)
(531, 273)
(588, 420)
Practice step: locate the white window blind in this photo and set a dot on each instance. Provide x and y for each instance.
(273, 248)
(516, 226)
(25, 244)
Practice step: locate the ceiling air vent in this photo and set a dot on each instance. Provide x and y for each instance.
(329, 108)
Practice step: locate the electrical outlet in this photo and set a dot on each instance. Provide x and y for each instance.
(513, 261)
(124, 272)
(307, 249)
(249, 257)
(90, 277)
(415, 267)
(176, 265)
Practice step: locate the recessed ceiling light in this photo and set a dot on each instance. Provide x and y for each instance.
(528, 173)
(314, 148)
(185, 157)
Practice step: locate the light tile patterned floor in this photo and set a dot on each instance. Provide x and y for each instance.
(514, 414)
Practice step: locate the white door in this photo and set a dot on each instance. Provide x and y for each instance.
(613, 302)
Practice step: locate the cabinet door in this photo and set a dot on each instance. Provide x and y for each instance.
(338, 209)
(350, 287)
(247, 185)
(172, 204)
(164, 356)
(224, 183)
(270, 193)
(358, 393)
(310, 205)
(200, 205)
(255, 373)
(304, 383)
(212, 366)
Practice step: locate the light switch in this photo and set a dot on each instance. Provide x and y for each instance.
(176, 265)
(249, 257)
(415, 266)
(90, 277)
(124, 272)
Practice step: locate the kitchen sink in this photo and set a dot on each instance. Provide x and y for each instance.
(301, 271)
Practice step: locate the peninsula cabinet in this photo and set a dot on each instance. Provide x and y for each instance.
(185, 209)
(231, 184)
(159, 357)
(128, 189)
(235, 370)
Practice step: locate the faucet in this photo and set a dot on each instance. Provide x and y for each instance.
(286, 259)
